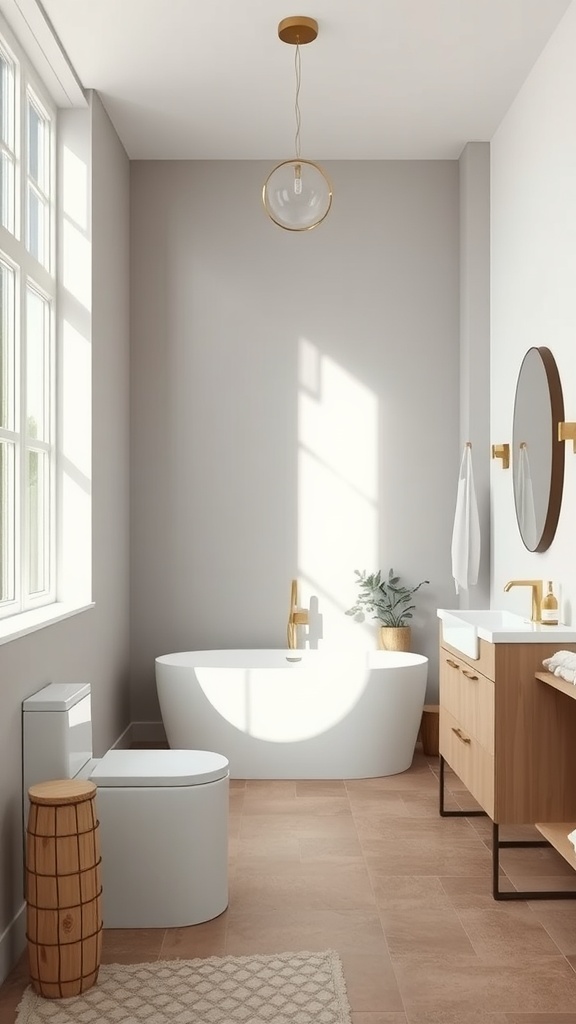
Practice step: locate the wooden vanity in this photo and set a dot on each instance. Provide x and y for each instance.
(508, 730)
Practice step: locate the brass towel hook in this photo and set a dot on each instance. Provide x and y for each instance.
(567, 432)
(502, 451)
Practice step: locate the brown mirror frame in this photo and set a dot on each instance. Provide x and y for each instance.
(556, 399)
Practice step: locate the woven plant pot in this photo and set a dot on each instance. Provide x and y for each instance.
(394, 638)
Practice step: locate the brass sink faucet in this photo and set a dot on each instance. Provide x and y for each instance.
(297, 617)
(536, 586)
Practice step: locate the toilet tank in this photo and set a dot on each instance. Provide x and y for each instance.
(56, 732)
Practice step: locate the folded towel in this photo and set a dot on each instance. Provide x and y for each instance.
(568, 674)
(566, 659)
(466, 531)
(572, 838)
(563, 665)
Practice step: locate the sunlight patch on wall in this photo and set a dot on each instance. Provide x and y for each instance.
(75, 361)
(338, 526)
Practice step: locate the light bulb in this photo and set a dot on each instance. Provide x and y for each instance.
(297, 180)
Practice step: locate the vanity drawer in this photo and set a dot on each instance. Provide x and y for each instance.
(469, 697)
(484, 663)
(471, 762)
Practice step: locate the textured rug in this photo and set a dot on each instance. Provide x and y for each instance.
(278, 988)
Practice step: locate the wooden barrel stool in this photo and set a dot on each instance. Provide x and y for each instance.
(63, 890)
(429, 729)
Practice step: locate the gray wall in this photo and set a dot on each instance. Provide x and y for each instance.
(93, 646)
(294, 405)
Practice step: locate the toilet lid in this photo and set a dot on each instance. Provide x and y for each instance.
(132, 768)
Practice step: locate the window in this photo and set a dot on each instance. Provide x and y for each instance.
(27, 338)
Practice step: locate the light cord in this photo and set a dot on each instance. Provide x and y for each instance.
(298, 70)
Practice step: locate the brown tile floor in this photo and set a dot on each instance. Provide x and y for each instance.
(369, 868)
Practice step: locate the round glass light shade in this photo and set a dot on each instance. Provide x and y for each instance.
(297, 195)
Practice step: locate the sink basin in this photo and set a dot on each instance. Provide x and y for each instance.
(462, 628)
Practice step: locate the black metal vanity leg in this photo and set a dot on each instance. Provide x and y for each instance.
(452, 814)
(527, 894)
(441, 788)
(496, 861)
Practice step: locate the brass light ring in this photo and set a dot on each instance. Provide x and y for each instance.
(310, 163)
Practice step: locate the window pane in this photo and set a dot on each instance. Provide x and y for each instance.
(36, 521)
(7, 383)
(37, 364)
(37, 144)
(36, 242)
(6, 102)
(7, 192)
(6, 521)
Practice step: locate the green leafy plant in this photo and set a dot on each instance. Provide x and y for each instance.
(383, 599)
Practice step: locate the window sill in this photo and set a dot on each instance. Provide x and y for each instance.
(28, 622)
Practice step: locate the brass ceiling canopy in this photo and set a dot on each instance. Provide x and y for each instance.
(298, 30)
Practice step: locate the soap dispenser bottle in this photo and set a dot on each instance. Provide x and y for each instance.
(549, 610)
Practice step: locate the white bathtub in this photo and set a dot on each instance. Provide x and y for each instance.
(282, 714)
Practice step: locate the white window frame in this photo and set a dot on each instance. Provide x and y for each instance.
(29, 273)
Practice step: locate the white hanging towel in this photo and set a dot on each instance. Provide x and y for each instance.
(525, 500)
(466, 532)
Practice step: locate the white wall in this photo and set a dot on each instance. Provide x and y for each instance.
(533, 228)
(474, 181)
(93, 646)
(294, 403)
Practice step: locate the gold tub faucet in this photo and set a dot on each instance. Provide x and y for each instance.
(297, 617)
(536, 586)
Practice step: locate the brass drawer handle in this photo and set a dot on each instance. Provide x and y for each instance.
(460, 735)
(469, 675)
(453, 664)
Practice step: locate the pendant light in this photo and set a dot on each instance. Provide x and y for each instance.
(297, 194)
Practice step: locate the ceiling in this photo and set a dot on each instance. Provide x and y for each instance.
(385, 79)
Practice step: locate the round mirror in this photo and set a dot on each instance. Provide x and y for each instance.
(537, 455)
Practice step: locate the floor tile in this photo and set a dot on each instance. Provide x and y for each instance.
(545, 986)
(509, 933)
(540, 1018)
(525, 863)
(370, 982)
(447, 1016)
(326, 886)
(199, 940)
(474, 891)
(404, 858)
(408, 892)
(131, 946)
(343, 850)
(352, 931)
(297, 825)
(423, 932)
(320, 788)
(559, 921)
(379, 1018)
(317, 806)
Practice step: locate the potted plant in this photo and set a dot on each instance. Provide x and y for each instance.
(389, 602)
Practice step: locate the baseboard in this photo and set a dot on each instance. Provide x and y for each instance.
(12, 943)
(140, 732)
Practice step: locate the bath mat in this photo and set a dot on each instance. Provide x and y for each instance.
(277, 988)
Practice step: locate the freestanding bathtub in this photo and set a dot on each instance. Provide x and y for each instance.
(288, 714)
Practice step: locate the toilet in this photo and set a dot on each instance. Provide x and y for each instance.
(163, 814)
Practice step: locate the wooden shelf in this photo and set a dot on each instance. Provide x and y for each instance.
(557, 835)
(559, 684)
